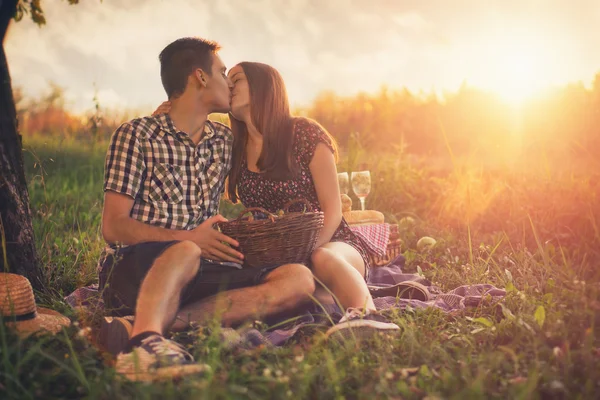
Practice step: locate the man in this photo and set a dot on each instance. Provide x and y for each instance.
(163, 181)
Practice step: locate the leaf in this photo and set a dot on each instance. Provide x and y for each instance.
(424, 371)
(508, 274)
(510, 287)
(474, 331)
(481, 320)
(484, 321)
(420, 271)
(506, 312)
(540, 315)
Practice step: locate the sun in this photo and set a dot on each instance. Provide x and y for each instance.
(514, 69)
(516, 80)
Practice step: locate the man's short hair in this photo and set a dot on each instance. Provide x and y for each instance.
(180, 58)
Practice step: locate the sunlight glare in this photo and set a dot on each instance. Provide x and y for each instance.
(515, 70)
(518, 80)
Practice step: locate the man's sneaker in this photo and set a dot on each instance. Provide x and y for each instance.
(361, 324)
(115, 333)
(157, 358)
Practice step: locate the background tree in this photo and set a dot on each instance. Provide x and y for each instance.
(17, 241)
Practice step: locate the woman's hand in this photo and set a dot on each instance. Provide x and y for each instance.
(164, 108)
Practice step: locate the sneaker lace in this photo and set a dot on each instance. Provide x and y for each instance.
(360, 313)
(167, 348)
(353, 313)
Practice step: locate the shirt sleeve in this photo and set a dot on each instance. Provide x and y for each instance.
(124, 165)
(308, 135)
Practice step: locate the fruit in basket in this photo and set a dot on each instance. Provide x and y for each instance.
(425, 243)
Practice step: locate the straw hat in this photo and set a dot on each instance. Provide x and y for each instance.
(18, 309)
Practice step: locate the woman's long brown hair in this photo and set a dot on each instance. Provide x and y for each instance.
(270, 113)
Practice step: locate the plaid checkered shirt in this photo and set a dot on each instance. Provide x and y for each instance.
(175, 184)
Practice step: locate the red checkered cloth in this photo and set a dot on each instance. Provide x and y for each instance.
(375, 236)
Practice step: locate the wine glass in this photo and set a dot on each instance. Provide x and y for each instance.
(343, 182)
(361, 184)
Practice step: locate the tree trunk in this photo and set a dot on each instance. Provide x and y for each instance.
(17, 242)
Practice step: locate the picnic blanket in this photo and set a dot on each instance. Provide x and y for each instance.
(88, 298)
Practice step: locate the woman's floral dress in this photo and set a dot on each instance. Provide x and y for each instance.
(255, 190)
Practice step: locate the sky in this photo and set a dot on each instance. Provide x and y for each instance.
(511, 47)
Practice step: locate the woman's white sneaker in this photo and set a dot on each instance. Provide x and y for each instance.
(361, 324)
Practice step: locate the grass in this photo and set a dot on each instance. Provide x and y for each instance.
(535, 234)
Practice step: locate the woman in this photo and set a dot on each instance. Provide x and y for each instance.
(277, 158)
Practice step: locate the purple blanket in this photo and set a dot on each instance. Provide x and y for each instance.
(88, 299)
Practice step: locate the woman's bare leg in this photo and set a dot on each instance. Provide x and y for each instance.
(341, 268)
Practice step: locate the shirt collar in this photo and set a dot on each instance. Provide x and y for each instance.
(166, 123)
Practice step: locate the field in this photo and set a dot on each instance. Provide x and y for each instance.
(534, 231)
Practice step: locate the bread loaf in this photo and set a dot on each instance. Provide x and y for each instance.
(366, 217)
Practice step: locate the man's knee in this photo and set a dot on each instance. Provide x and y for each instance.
(296, 277)
(185, 255)
(187, 247)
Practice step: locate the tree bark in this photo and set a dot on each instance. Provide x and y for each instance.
(17, 241)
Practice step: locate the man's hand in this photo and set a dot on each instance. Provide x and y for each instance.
(164, 108)
(211, 241)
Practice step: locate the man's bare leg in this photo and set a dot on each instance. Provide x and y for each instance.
(282, 289)
(159, 295)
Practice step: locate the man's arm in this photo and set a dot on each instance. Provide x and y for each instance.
(124, 169)
(118, 226)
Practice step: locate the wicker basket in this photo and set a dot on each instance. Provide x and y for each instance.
(279, 239)
(393, 250)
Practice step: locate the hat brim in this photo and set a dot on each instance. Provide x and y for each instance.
(46, 321)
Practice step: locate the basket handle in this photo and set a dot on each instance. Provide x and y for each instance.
(287, 206)
(251, 209)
